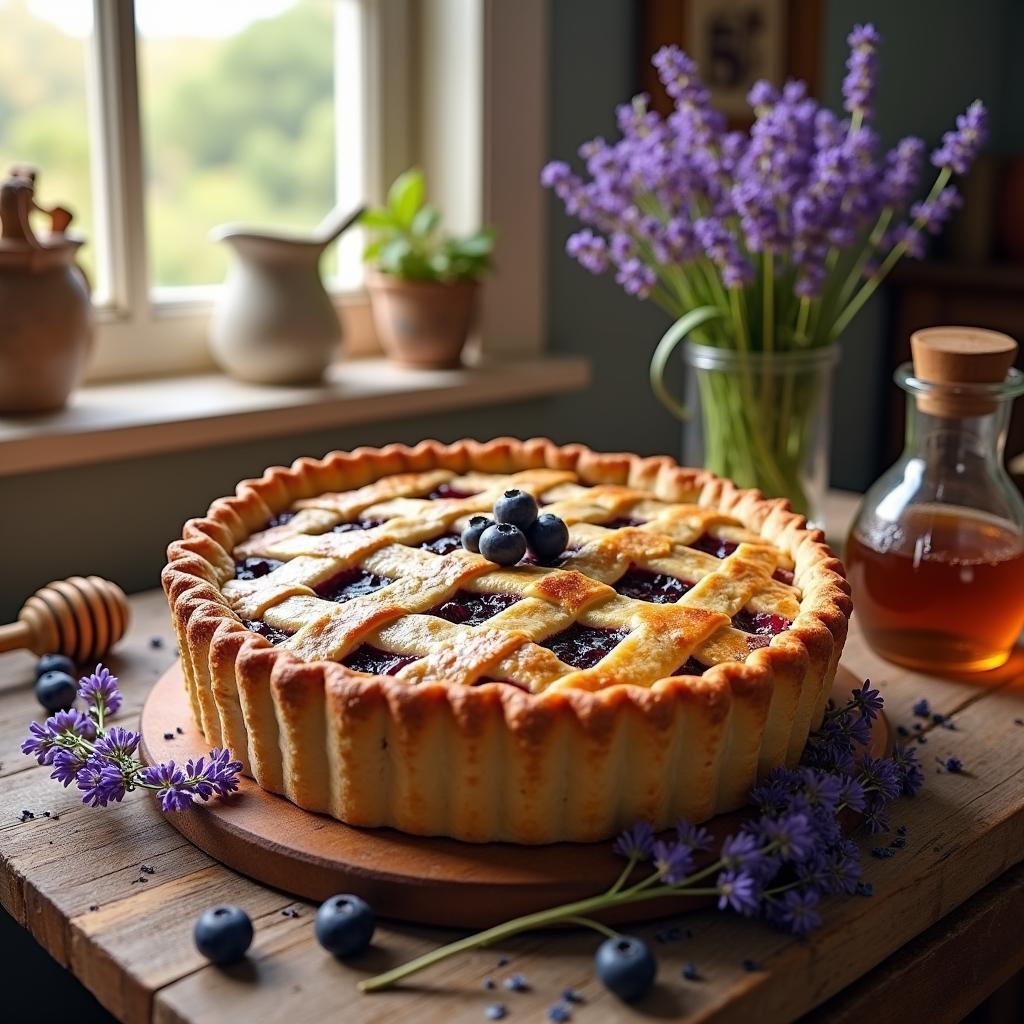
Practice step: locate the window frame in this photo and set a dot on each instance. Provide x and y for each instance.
(448, 72)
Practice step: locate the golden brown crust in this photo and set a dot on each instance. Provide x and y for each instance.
(492, 762)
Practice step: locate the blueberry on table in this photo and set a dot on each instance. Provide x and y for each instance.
(56, 691)
(471, 534)
(503, 544)
(55, 663)
(626, 966)
(223, 934)
(344, 925)
(548, 537)
(517, 508)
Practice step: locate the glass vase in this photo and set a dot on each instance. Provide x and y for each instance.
(762, 420)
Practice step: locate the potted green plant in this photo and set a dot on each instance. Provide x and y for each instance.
(423, 286)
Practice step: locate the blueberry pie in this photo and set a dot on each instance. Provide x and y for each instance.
(340, 639)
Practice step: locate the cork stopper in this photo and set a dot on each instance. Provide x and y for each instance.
(960, 356)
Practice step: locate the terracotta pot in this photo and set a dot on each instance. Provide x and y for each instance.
(422, 323)
(45, 311)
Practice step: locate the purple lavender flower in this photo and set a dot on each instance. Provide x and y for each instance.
(589, 249)
(851, 794)
(960, 148)
(792, 834)
(217, 777)
(843, 868)
(673, 861)
(721, 248)
(862, 69)
(67, 762)
(875, 817)
(637, 841)
(741, 851)
(910, 775)
(799, 911)
(171, 786)
(636, 278)
(934, 213)
(880, 775)
(60, 729)
(739, 891)
(101, 783)
(696, 837)
(821, 789)
(118, 743)
(902, 172)
(100, 690)
(867, 701)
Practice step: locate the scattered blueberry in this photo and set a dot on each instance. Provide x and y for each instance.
(517, 508)
(502, 961)
(559, 1013)
(489, 984)
(548, 537)
(570, 995)
(344, 925)
(751, 965)
(902, 730)
(953, 765)
(503, 544)
(690, 972)
(496, 1011)
(56, 691)
(901, 830)
(156, 642)
(865, 889)
(223, 934)
(626, 966)
(55, 663)
(922, 709)
(516, 983)
(471, 534)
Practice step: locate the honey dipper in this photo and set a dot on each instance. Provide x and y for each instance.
(82, 617)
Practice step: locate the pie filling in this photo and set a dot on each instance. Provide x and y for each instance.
(621, 521)
(349, 584)
(367, 658)
(449, 491)
(656, 587)
(358, 524)
(583, 646)
(275, 636)
(717, 546)
(444, 544)
(465, 608)
(254, 568)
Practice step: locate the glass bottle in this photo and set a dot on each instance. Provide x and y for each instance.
(935, 555)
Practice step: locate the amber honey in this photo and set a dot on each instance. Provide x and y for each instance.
(941, 591)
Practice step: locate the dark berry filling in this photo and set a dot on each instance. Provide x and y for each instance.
(783, 576)
(280, 519)
(717, 546)
(359, 524)
(583, 646)
(691, 667)
(761, 624)
(618, 524)
(254, 568)
(465, 608)
(448, 491)
(349, 584)
(443, 544)
(504, 682)
(656, 587)
(531, 559)
(375, 661)
(275, 636)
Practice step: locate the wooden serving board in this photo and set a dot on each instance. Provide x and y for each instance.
(427, 880)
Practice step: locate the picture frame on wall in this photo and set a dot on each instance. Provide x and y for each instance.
(735, 44)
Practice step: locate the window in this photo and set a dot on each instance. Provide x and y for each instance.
(155, 121)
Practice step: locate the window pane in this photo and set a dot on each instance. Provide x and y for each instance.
(45, 54)
(238, 118)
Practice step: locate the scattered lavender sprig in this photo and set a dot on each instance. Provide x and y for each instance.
(104, 762)
(779, 864)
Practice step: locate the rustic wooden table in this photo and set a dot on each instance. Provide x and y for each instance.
(940, 933)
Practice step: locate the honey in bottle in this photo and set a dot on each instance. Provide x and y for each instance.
(935, 556)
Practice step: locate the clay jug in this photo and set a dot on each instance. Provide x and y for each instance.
(45, 311)
(274, 322)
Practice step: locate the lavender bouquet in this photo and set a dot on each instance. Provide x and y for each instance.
(763, 244)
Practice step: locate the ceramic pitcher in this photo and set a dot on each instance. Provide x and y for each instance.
(45, 310)
(275, 322)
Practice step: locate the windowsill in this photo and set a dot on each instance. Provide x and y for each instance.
(106, 422)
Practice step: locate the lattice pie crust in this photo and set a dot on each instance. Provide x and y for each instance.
(530, 704)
